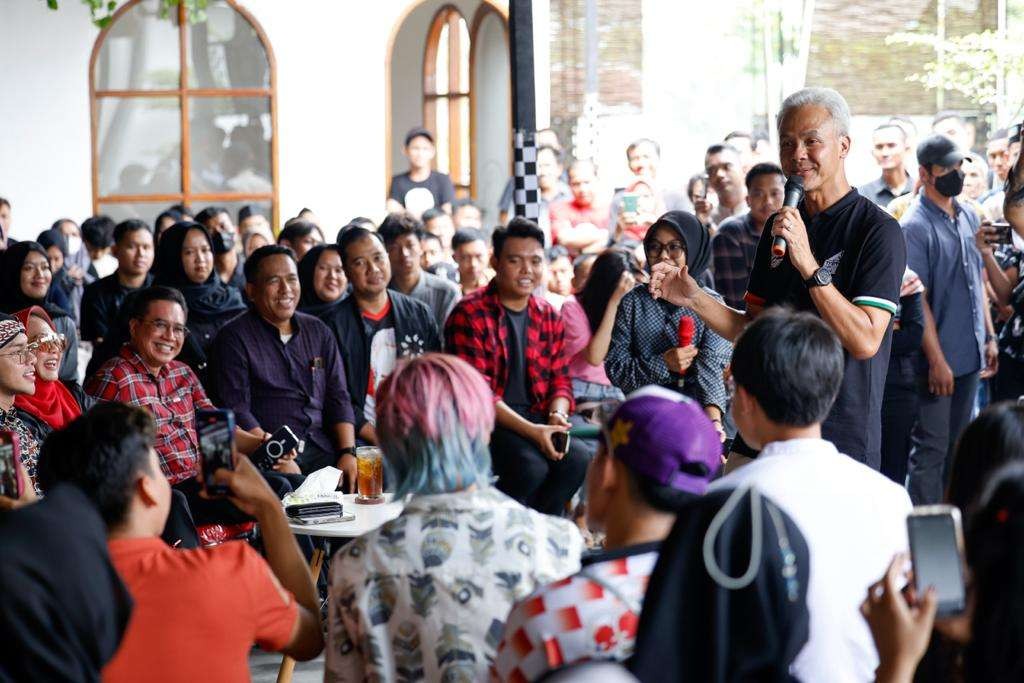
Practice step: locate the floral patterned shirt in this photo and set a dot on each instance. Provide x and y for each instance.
(425, 597)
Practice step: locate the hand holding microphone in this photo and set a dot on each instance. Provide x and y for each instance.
(794, 193)
(680, 357)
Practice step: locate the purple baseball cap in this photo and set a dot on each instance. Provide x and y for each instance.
(665, 437)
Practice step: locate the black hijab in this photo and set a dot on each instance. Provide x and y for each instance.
(64, 609)
(207, 301)
(693, 629)
(694, 235)
(309, 302)
(12, 298)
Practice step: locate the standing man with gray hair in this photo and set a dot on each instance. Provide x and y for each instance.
(844, 262)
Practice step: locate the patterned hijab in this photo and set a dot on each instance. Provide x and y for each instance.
(694, 235)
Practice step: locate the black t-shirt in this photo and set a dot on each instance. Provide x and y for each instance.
(406, 191)
(516, 395)
(864, 248)
(101, 302)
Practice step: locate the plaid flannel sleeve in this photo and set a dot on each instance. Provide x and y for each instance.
(463, 337)
(730, 269)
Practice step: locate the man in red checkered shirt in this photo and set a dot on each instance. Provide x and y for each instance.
(516, 339)
(145, 373)
(659, 453)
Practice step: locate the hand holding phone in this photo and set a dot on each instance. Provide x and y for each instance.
(216, 429)
(560, 440)
(936, 550)
(282, 442)
(10, 466)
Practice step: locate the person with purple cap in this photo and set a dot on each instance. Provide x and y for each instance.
(659, 453)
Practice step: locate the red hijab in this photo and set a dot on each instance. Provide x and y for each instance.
(52, 403)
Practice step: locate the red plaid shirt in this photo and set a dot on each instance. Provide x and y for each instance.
(173, 397)
(476, 332)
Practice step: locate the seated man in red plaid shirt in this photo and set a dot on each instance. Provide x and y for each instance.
(515, 339)
(145, 373)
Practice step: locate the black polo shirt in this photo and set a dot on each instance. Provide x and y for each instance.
(101, 301)
(881, 194)
(864, 248)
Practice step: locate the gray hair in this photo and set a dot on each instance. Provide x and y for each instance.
(827, 98)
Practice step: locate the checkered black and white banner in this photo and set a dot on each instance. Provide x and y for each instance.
(526, 195)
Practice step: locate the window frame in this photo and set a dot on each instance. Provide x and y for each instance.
(183, 93)
(459, 89)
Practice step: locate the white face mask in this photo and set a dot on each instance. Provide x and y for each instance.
(1018, 241)
(74, 244)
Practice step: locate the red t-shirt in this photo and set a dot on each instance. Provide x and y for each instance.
(197, 612)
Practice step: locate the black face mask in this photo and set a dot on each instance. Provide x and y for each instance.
(951, 184)
(223, 242)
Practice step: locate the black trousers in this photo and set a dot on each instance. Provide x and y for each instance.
(527, 475)
(899, 412)
(1008, 384)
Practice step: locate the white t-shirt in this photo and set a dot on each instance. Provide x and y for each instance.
(854, 520)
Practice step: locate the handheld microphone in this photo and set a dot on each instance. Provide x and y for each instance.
(686, 330)
(794, 193)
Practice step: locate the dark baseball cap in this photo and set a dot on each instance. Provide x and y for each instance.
(938, 150)
(665, 437)
(418, 133)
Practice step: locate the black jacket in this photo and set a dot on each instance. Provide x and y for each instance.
(415, 334)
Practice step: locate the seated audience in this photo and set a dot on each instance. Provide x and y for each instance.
(65, 609)
(322, 281)
(580, 224)
(300, 236)
(197, 613)
(434, 261)
(559, 279)
(581, 267)
(517, 342)
(224, 236)
(734, 611)
(425, 596)
(54, 403)
(659, 453)
(471, 255)
(788, 368)
(98, 238)
(165, 220)
(421, 187)
(645, 348)
(466, 214)
(17, 377)
(251, 218)
(401, 234)
(279, 367)
(146, 374)
(254, 238)
(736, 241)
(184, 261)
(437, 222)
(991, 440)
(133, 249)
(77, 258)
(67, 291)
(589, 318)
(26, 281)
(375, 326)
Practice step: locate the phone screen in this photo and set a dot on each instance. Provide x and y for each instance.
(935, 552)
(216, 443)
(9, 484)
(1002, 233)
(560, 440)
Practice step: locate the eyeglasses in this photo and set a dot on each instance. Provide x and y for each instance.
(674, 249)
(162, 326)
(23, 357)
(51, 342)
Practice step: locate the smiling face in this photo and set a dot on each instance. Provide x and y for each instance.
(197, 256)
(367, 266)
(48, 355)
(519, 268)
(17, 373)
(158, 336)
(275, 294)
(811, 147)
(329, 277)
(36, 275)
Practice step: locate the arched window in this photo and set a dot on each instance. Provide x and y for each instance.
(182, 112)
(446, 94)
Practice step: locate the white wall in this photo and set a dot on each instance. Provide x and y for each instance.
(493, 125)
(331, 60)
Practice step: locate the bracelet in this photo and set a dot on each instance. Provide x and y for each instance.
(560, 413)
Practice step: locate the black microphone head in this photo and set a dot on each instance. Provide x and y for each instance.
(794, 190)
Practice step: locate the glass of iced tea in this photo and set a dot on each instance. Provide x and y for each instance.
(369, 475)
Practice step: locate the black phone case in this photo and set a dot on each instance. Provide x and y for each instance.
(270, 451)
(320, 509)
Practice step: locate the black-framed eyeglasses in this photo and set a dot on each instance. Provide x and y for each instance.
(163, 327)
(655, 249)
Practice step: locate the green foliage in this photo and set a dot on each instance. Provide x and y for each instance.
(970, 65)
(102, 11)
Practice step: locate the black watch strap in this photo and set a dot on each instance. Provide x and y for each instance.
(350, 450)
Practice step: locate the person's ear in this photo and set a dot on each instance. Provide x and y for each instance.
(844, 146)
(147, 488)
(250, 291)
(133, 324)
(494, 262)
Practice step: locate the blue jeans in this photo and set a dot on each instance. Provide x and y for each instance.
(592, 391)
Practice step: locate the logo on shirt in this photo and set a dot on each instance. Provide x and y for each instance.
(776, 260)
(831, 264)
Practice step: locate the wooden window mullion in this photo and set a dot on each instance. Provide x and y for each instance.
(186, 148)
(454, 85)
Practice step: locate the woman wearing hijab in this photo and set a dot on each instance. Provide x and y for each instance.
(55, 404)
(184, 261)
(322, 280)
(716, 612)
(25, 281)
(67, 293)
(645, 345)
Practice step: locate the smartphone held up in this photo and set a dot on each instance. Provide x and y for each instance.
(216, 429)
(937, 554)
(10, 482)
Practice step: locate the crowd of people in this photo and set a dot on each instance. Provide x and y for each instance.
(774, 386)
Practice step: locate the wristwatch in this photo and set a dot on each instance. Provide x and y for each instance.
(348, 450)
(820, 278)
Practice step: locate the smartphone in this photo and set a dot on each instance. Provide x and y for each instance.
(216, 430)
(273, 449)
(1014, 132)
(560, 440)
(629, 202)
(327, 519)
(1002, 233)
(937, 551)
(704, 180)
(10, 465)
